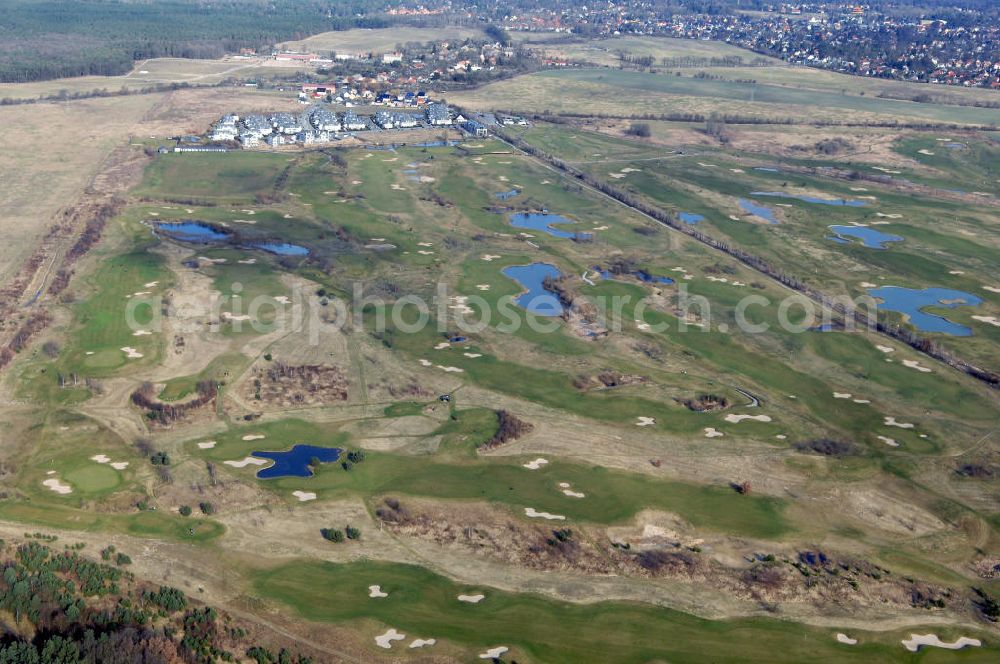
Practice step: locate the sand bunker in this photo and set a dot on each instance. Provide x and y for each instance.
(424, 252)
(254, 436)
(843, 638)
(536, 464)
(472, 355)
(100, 458)
(645, 421)
(992, 289)
(574, 494)
(425, 363)
(535, 514)
(711, 432)
(888, 441)
(385, 640)
(494, 653)
(283, 299)
(916, 641)
(376, 592)
(892, 422)
(886, 349)
(956, 272)
(420, 643)
(913, 364)
(247, 461)
(842, 395)
(451, 369)
(131, 353)
(991, 320)
(483, 287)
(471, 599)
(229, 316)
(736, 419)
(57, 486)
(442, 345)
(141, 333)
(303, 496)
(490, 257)
(206, 445)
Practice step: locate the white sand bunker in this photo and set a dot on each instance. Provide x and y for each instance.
(536, 464)
(425, 363)
(490, 257)
(868, 284)
(131, 353)
(206, 445)
(892, 422)
(57, 486)
(736, 419)
(711, 432)
(535, 514)
(843, 638)
(385, 640)
(283, 299)
(913, 364)
(451, 369)
(842, 395)
(141, 333)
(420, 643)
(992, 289)
(914, 643)
(442, 345)
(567, 490)
(891, 442)
(886, 349)
(991, 320)
(303, 496)
(645, 421)
(472, 355)
(376, 592)
(100, 458)
(471, 599)
(246, 461)
(483, 287)
(493, 653)
(254, 436)
(247, 261)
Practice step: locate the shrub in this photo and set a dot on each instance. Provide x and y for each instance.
(206, 508)
(185, 510)
(352, 533)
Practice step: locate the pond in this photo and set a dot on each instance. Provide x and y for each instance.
(767, 169)
(910, 301)
(765, 213)
(191, 231)
(641, 275)
(869, 237)
(545, 222)
(507, 195)
(690, 217)
(532, 278)
(841, 202)
(295, 462)
(282, 248)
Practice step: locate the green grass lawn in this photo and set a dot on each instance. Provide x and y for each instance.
(422, 604)
(232, 177)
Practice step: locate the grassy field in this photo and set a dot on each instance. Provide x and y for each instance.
(597, 91)
(422, 604)
(379, 40)
(606, 52)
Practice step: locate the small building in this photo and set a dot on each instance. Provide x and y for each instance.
(324, 120)
(385, 119)
(438, 114)
(477, 129)
(351, 122)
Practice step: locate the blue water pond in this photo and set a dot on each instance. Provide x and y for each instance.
(532, 277)
(690, 217)
(869, 237)
(542, 221)
(841, 202)
(295, 462)
(641, 275)
(282, 248)
(765, 213)
(507, 195)
(910, 301)
(191, 231)
(767, 169)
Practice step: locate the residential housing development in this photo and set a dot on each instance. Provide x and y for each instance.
(321, 125)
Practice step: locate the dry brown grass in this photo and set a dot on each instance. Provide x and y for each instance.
(378, 41)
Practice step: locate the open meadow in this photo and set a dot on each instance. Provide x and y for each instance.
(378, 40)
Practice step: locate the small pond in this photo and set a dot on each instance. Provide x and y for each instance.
(282, 248)
(690, 217)
(507, 195)
(532, 277)
(543, 221)
(911, 301)
(641, 275)
(191, 231)
(295, 462)
(765, 213)
(869, 237)
(840, 202)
